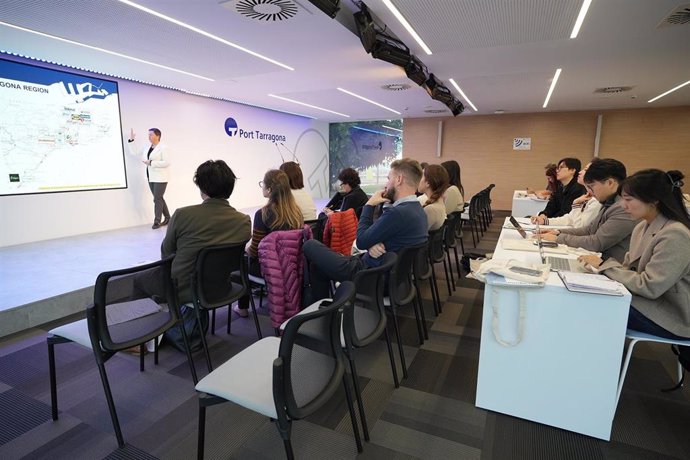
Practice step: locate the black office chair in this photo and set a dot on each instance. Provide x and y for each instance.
(286, 378)
(435, 254)
(220, 279)
(115, 320)
(401, 291)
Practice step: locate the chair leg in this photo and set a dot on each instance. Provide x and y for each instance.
(434, 300)
(155, 351)
(53, 380)
(435, 286)
(457, 262)
(213, 321)
(351, 409)
(111, 403)
(203, 340)
(420, 331)
(358, 396)
(392, 358)
(187, 348)
(450, 269)
(628, 354)
(201, 433)
(420, 305)
(400, 346)
(445, 269)
(256, 318)
(227, 326)
(288, 449)
(142, 350)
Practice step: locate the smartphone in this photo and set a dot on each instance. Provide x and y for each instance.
(525, 271)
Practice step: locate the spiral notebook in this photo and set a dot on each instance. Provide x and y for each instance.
(591, 283)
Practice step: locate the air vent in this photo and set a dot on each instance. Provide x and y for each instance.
(613, 89)
(267, 10)
(435, 111)
(396, 87)
(678, 17)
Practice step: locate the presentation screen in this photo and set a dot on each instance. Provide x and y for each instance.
(59, 131)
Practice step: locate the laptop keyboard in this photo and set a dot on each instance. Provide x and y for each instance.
(559, 263)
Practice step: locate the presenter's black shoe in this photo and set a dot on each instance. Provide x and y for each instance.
(165, 222)
(156, 225)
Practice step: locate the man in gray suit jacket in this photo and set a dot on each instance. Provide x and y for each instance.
(609, 232)
(210, 223)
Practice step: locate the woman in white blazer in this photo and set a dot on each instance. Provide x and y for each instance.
(157, 160)
(656, 269)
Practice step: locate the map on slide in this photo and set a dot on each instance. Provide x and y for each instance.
(58, 131)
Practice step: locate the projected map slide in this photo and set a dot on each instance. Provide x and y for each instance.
(59, 131)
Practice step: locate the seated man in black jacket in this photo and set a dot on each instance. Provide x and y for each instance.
(561, 202)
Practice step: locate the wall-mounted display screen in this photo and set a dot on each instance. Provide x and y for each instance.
(59, 131)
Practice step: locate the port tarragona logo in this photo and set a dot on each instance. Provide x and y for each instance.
(231, 127)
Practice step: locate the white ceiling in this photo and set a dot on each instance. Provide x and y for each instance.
(503, 53)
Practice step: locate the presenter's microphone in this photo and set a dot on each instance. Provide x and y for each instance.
(294, 157)
(278, 148)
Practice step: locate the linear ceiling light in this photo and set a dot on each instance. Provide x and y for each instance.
(308, 105)
(406, 25)
(103, 50)
(462, 93)
(204, 33)
(368, 100)
(580, 18)
(390, 127)
(669, 91)
(553, 85)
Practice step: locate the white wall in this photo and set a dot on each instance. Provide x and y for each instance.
(193, 128)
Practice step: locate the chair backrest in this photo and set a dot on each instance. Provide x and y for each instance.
(450, 229)
(474, 206)
(127, 306)
(310, 366)
(436, 253)
(400, 288)
(365, 323)
(220, 276)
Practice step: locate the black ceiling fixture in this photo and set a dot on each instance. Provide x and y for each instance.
(330, 7)
(384, 47)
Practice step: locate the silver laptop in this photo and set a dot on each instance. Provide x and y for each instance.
(558, 264)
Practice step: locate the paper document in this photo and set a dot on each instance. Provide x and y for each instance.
(591, 283)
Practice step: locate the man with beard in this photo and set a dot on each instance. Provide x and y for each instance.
(402, 224)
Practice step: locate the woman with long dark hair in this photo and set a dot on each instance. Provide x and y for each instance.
(433, 185)
(656, 269)
(280, 213)
(454, 196)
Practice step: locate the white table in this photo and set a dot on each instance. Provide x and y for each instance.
(564, 373)
(524, 205)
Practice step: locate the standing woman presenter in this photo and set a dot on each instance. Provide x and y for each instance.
(156, 157)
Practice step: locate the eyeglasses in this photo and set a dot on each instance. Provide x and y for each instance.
(261, 184)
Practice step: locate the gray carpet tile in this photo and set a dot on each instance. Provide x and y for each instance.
(450, 376)
(20, 413)
(80, 442)
(130, 453)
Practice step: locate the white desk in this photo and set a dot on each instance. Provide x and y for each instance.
(565, 371)
(526, 206)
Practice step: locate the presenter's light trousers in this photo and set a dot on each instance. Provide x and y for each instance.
(160, 207)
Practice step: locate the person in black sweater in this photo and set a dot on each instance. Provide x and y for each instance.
(561, 201)
(351, 196)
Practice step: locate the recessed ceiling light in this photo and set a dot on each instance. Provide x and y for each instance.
(551, 88)
(396, 87)
(204, 33)
(368, 100)
(103, 50)
(669, 91)
(580, 18)
(406, 25)
(462, 93)
(308, 105)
